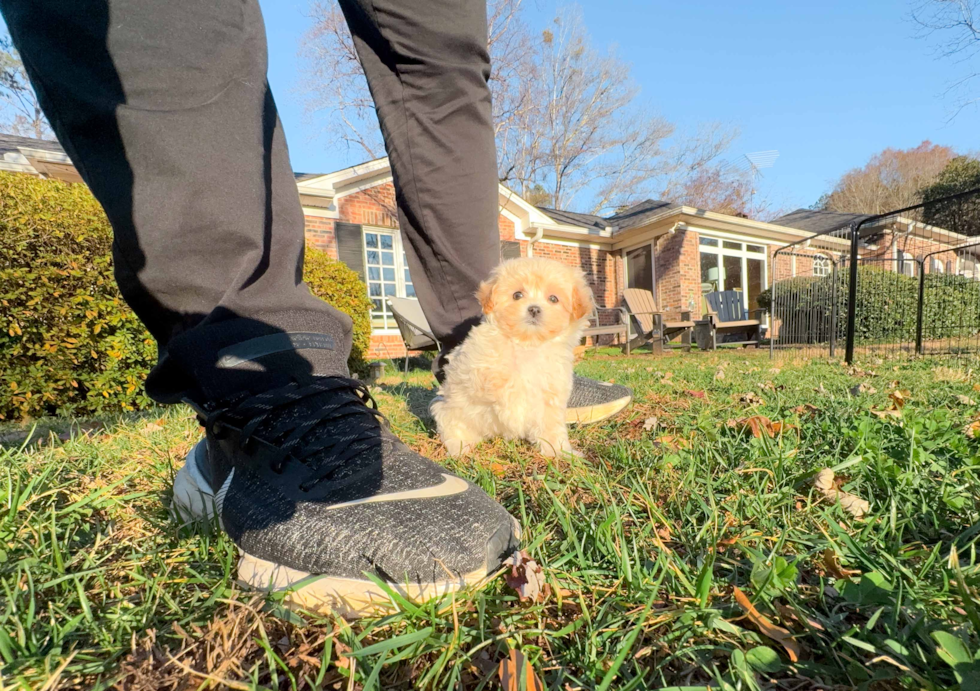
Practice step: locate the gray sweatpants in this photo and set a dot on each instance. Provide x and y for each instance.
(165, 110)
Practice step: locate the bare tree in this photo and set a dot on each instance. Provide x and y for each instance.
(957, 25)
(570, 131)
(20, 112)
(892, 179)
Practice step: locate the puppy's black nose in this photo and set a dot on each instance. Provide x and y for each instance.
(534, 311)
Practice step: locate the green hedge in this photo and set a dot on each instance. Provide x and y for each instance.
(886, 306)
(68, 342)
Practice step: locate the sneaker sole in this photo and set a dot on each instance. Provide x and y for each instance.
(595, 413)
(194, 502)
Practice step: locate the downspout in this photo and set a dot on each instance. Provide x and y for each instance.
(538, 232)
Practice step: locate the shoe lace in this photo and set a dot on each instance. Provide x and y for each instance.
(343, 399)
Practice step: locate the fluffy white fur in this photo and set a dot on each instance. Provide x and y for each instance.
(512, 375)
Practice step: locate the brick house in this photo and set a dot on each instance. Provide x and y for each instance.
(678, 252)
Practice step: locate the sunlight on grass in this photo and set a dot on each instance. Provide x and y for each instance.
(643, 543)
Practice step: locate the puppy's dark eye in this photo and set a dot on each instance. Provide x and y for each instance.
(553, 299)
(518, 295)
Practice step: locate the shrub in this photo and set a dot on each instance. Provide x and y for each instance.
(68, 342)
(69, 345)
(339, 285)
(886, 306)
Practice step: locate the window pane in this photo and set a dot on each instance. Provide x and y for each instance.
(378, 307)
(709, 242)
(371, 240)
(709, 272)
(374, 290)
(389, 274)
(373, 257)
(389, 290)
(388, 258)
(387, 242)
(728, 245)
(409, 290)
(755, 248)
(755, 281)
(733, 273)
(639, 266)
(374, 273)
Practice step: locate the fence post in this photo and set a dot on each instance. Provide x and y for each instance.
(918, 315)
(833, 309)
(852, 295)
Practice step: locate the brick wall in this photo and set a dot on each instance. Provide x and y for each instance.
(599, 267)
(678, 271)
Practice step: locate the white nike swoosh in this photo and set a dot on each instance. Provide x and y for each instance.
(449, 486)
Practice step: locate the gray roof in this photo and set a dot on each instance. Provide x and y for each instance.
(11, 142)
(818, 221)
(576, 219)
(641, 213)
(300, 177)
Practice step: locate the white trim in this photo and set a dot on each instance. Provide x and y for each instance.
(319, 213)
(573, 243)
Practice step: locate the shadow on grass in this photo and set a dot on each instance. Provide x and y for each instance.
(417, 400)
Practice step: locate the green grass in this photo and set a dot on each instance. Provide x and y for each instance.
(643, 543)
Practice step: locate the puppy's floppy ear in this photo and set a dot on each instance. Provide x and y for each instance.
(582, 301)
(485, 294)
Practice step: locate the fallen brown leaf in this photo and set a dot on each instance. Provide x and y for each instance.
(833, 567)
(749, 398)
(510, 672)
(649, 424)
(972, 430)
(900, 397)
(761, 426)
(861, 388)
(720, 374)
(806, 409)
(697, 394)
(965, 400)
(823, 482)
(526, 577)
(767, 628)
(788, 614)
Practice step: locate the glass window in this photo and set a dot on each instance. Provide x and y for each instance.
(710, 274)
(756, 284)
(755, 248)
(709, 242)
(729, 245)
(821, 266)
(733, 272)
(387, 274)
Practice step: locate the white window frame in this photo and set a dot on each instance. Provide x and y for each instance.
(743, 253)
(389, 328)
(936, 266)
(826, 262)
(906, 263)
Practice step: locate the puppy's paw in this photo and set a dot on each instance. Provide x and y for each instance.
(458, 447)
(554, 449)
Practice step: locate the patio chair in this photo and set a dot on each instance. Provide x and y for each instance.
(621, 329)
(413, 325)
(726, 321)
(651, 324)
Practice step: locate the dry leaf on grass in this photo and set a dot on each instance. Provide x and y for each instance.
(671, 441)
(749, 398)
(861, 388)
(820, 389)
(526, 577)
(972, 430)
(899, 397)
(788, 614)
(767, 628)
(965, 400)
(769, 386)
(697, 394)
(649, 424)
(823, 482)
(761, 426)
(720, 374)
(510, 669)
(806, 409)
(833, 567)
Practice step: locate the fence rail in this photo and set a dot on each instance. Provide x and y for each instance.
(902, 283)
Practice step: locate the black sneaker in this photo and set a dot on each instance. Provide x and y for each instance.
(316, 492)
(592, 401)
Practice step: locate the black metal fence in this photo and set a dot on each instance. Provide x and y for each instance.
(905, 282)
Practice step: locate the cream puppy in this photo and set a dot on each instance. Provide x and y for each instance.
(512, 375)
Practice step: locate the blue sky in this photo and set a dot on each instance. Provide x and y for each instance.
(827, 83)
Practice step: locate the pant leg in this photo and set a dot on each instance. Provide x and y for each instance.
(165, 111)
(427, 67)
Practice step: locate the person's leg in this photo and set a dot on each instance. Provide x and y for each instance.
(164, 109)
(427, 66)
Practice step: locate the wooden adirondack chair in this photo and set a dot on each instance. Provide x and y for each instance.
(652, 325)
(595, 329)
(725, 317)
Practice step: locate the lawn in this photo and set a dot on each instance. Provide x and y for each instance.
(682, 551)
